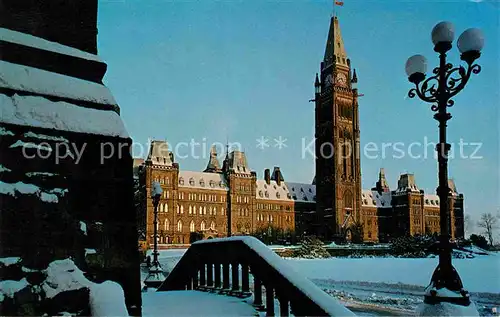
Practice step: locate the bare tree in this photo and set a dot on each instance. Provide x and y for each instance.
(468, 225)
(489, 223)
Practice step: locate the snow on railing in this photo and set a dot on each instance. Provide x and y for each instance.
(248, 254)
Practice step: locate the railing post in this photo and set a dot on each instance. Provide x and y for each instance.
(284, 309)
(202, 275)
(245, 283)
(217, 275)
(269, 300)
(195, 279)
(257, 293)
(235, 283)
(210, 275)
(225, 276)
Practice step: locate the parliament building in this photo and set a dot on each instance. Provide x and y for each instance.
(232, 200)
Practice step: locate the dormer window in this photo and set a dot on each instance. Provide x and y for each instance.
(365, 201)
(265, 186)
(305, 198)
(221, 185)
(181, 181)
(278, 195)
(202, 183)
(374, 203)
(266, 194)
(427, 201)
(288, 196)
(310, 190)
(293, 189)
(295, 197)
(212, 184)
(191, 181)
(302, 189)
(260, 193)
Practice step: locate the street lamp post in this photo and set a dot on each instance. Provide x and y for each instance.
(439, 90)
(155, 276)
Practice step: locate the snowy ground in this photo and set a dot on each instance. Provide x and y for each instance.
(394, 283)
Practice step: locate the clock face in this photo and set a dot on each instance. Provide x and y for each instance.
(341, 79)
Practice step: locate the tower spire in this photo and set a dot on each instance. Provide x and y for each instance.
(335, 52)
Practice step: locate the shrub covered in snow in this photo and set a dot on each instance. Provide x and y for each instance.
(414, 246)
(312, 248)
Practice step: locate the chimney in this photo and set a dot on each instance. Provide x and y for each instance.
(277, 175)
(267, 176)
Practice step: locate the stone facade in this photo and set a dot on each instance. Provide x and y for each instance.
(62, 197)
(214, 202)
(230, 200)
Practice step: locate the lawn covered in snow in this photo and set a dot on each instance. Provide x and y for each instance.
(480, 274)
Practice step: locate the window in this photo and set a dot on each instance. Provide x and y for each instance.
(278, 195)
(190, 210)
(260, 193)
(161, 207)
(201, 210)
(166, 225)
(191, 181)
(212, 225)
(191, 226)
(182, 209)
(178, 208)
(203, 226)
(222, 211)
(179, 226)
(215, 211)
(202, 183)
(266, 194)
(205, 210)
(166, 208)
(212, 184)
(181, 181)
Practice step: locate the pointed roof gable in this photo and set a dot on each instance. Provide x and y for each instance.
(213, 165)
(335, 44)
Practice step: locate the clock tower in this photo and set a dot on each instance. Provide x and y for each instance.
(338, 172)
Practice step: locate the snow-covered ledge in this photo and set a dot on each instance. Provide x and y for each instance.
(445, 308)
(306, 286)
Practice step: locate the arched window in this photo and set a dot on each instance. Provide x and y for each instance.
(190, 210)
(161, 208)
(212, 225)
(205, 210)
(182, 209)
(178, 208)
(191, 226)
(201, 210)
(348, 199)
(215, 211)
(179, 226)
(166, 208)
(222, 211)
(203, 225)
(166, 225)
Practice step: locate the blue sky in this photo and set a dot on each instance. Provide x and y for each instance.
(239, 70)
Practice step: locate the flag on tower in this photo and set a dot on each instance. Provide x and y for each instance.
(339, 3)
